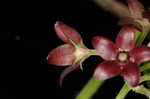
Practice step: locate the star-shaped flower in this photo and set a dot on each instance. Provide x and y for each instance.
(71, 54)
(121, 58)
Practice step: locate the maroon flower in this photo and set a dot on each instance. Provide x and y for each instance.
(121, 58)
(71, 54)
(138, 15)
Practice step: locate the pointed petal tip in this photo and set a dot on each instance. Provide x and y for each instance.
(140, 54)
(131, 74)
(66, 72)
(61, 55)
(67, 33)
(106, 70)
(58, 23)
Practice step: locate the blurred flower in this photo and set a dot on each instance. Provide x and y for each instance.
(71, 54)
(139, 16)
(121, 58)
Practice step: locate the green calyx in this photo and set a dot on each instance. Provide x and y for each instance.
(82, 53)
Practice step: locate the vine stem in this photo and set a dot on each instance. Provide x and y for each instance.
(139, 89)
(123, 92)
(142, 90)
(90, 88)
(145, 31)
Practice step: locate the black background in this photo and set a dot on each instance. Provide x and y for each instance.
(27, 35)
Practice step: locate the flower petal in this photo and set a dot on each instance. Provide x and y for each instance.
(126, 38)
(129, 21)
(136, 8)
(66, 72)
(106, 70)
(146, 14)
(131, 74)
(106, 48)
(62, 55)
(66, 33)
(140, 54)
(126, 21)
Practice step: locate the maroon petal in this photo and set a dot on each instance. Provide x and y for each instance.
(106, 70)
(66, 33)
(131, 74)
(66, 72)
(106, 48)
(140, 54)
(129, 21)
(146, 14)
(136, 8)
(126, 21)
(126, 38)
(62, 55)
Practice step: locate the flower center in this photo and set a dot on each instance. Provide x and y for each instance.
(123, 56)
(80, 53)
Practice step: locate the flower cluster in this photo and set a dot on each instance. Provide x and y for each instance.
(121, 58)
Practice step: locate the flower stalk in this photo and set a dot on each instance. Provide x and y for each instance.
(145, 31)
(90, 89)
(139, 89)
(142, 90)
(123, 92)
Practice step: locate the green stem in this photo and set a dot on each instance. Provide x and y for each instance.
(123, 92)
(142, 90)
(90, 89)
(146, 29)
(137, 34)
(142, 37)
(125, 89)
(94, 52)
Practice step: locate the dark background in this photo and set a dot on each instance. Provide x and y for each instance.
(27, 35)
